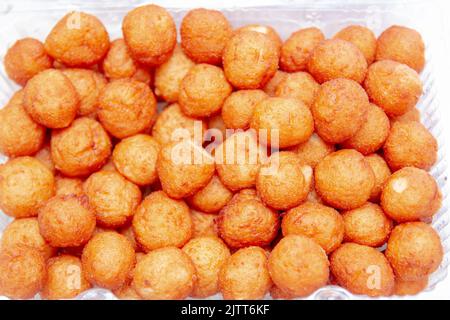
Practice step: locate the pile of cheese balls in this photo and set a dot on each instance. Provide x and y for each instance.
(99, 198)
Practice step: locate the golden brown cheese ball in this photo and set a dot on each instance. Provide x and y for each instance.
(208, 254)
(81, 148)
(393, 86)
(25, 59)
(344, 179)
(108, 259)
(410, 288)
(45, 157)
(126, 107)
(340, 110)
(321, 223)
(403, 45)
(414, 250)
(238, 108)
(382, 173)
(161, 221)
(211, 198)
(336, 58)
(168, 76)
(203, 224)
(150, 34)
(203, 91)
(412, 115)
(113, 198)
(65, 279)
(216, 129)
(78, 40)
(22, 272)
(277, 293)
(246, 221)
(135, 158)
(250, 59)
(298, 266)
(66, 186)
(271, 85)
(361, 37)
(19, 134)
(313, 151)
(362, 270)
(267, 30)
(25, 184)
(204, 34)
(298, 85)
(285, 119)
(51, 99)
(410, 144)
(297, 49)
(372, 134)
(410, 194)
(245, 275)
(164, 274)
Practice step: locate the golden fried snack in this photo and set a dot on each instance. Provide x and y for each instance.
(267, 30)
(216, 130)
(362, 37)
(203, 224)
(45, 157)
(211, 198)
(414, 250)
(313, 151)
(410, 288)
(25, 184)
(382, 173)
(298, 85)
(204, 34)
(127, 291)
(276, 293)
(66, 186)
(271, 85)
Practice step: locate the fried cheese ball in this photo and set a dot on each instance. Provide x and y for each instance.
(25, 59)
(313, 151)
(412, 115)
(362, 270)
(321, 223)
(51, 99)
(203, 224)
(410, 144)
(340, 110)
(250, 59)
(336, 58)
(287, 119)
(245, 275)
(362, 37)
(414, 250)
(107, 260)
(45, 157)
(203, 91)
(19, 134)
(267, 30)
(150, 34)
(216, 129)
(65, 279)
(126, 107)
(160, 221)
(66, 186)
(211, 198)
(393, 86)
(410, 288)
(204, 34)
(25, 184)
(271, 85)
(298, 266)
(81, 148)
(298, 85)
(344, 179)
(403, 45)
(297, 49)
(382, 173)
(113, 198)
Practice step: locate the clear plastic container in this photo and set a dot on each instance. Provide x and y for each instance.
(36, 18)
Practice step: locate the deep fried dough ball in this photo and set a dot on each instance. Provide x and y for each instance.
(45, 157)
(65, 279)
(238, 108)
(25, 184)
(414, 250)
(267, 30)
(216, 129)
(313, 151)
(25, 59)
(372, 134)
(344, 179)
(361, 37)
(382, 173)
(298, 265)
(409, 288)
(51, 99)
(271, 85)
(403, 45)
(203, 224)
(22, 272)
(321, 223)
(126, 107)
(410, 194)
(161, 221)
(362, 270)
(81, 148)
(66, 186)
(298, 85)
(203, 91)
(250, 59)
(393, 86)
(245, 275)
(336, 58)
(290, 117)
(150, 34)
(204, 34)
(296, 50)
(108, 259)
(19, 134)
(340, 110)
(277, 293)
(211, 198)
(412, 115)
(410, 144)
